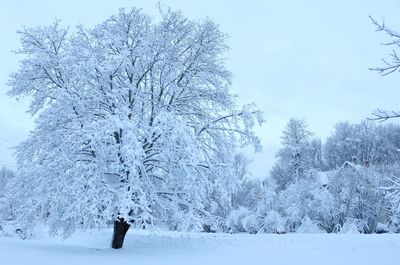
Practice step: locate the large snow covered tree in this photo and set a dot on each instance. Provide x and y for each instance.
(134, 122)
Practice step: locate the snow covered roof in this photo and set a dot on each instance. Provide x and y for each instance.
(348, 164)
(323, 178)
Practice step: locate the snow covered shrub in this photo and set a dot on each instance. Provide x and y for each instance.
(392, 194)
(252, 223)
(216, 224)
(273, 222)
(394, 223)
(356, 191)
(308, 226)
(234, 222)
(177, 220)
(353, 226)
(306, 197)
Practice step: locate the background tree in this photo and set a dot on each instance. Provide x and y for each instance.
(316, 154)
(6, 176)
(134, 123)
(366, 142)
(294, 157)
(339, 147)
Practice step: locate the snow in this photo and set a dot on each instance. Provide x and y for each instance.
(350, 165)
(323, 177)
(144, 247)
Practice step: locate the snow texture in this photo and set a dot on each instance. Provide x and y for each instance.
(144, 247)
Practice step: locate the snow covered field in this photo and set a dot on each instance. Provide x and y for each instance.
(142, 247)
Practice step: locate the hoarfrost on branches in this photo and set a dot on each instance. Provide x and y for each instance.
(134, 120)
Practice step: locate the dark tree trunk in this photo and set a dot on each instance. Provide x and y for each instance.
(120, 229)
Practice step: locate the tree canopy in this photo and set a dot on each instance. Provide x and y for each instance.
(134, 120)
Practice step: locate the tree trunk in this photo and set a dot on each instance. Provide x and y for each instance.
(120, 229)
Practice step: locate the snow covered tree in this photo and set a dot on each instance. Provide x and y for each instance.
(389, 67)
(135, 122)
(5, 176)
(387, 144)
(339, 147)
(316, 154)
(294, 157)
(366, 142)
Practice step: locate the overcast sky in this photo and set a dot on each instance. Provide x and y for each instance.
(306, 59)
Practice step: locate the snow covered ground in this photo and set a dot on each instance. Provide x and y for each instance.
(146, 248)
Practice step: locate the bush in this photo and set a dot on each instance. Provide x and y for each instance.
(352, 226)
(252, 223)
(234, 222)
(274, 223)
(308, 226)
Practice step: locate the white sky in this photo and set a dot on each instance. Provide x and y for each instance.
(307, 59)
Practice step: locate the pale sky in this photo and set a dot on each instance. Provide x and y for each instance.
(293, 58)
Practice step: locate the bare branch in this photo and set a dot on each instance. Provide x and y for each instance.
(381, 115)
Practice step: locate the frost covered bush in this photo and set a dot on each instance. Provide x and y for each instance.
(392, 189)
(252, 223)
(356, 192)
(304, 198)
(273, 222)
(352, 226)
(234, 222)
(243, 220)
(308, 226)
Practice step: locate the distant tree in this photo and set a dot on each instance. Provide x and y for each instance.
(316, 154)
(134, 122)
(6, 175)
(339, 147)
(281, 175)
(387, 144)
(294, 156)
(366, 142)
